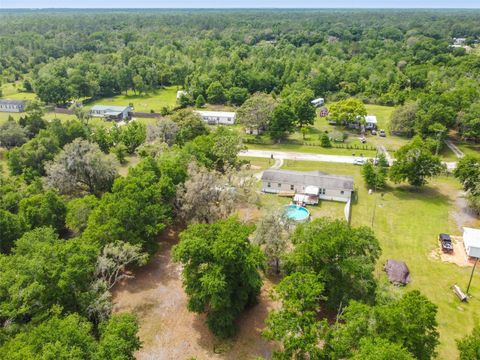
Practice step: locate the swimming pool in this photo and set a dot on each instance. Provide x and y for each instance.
(297, 213)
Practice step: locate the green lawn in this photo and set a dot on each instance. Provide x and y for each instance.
(11, 91)
(407, 223)
(469, 148)
(311, 149)
(153, 100)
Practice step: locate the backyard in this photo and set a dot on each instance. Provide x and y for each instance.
(404, 234)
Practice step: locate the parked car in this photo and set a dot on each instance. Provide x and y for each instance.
(359, 161)
(446, 242)
(382, 133)
(374, 132)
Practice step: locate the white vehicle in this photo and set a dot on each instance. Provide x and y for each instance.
(359, 161)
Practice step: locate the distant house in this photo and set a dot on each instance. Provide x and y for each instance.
(254, 130)
(217, 117)
(471, 240)
(7, 105)
(370, 122)
(318, 102)
(313, 185)
(181, 93)
(459, 41)
(117, 113)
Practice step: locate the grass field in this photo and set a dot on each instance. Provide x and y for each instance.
(153, 100)
(469, 148)
(11, 91)
(407, 223)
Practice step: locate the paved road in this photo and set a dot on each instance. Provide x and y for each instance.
(288, 155)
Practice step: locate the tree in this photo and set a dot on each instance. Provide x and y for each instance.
(282, 122)
(295, 324)
(381, 349)
(207, 196)
(165, 130)
(118, 338)
(133, 135)
(12, 134)
(237, 96)
(468, 172)
(415, 163)
(470, 123)
(348, 111)
(11, 228)
(190, 126)
(81, 166)
(345, 257)
(120, 151)
(82, 113)
(408, 322)
(62, 338)
(469, 346)
(137, 209)
(272, 234)
(256, 112)
(200, 101)
(375, 176)
(220, 271)
(302, 107)
(325, 141)
(78, 211)
(402, 121)
(216, 93)
(45, 209)
(185, 100)
(115, 257)
(49, 271)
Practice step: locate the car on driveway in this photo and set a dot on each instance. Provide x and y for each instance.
(374, 132)
(382, 133)
(359, 161)
(446, 242)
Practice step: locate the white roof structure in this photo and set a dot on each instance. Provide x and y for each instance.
(180, 93)
(471, 240)
(224, 114)
(318, 101)
(312, 190)
(372, 119)
(109, 108)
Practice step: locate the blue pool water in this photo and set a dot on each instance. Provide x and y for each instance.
(297, 213)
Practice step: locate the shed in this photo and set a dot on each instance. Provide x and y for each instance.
(318, 102)
(471, 240)
(397, 272)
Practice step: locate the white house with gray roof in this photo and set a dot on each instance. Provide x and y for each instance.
(218, 117)
(110, 112)
(8, 105)
(312, 184)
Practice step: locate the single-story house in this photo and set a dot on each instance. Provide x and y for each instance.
(370, 123)
(313, 184)
(471, 240)
(217, 117)
(8, 105)
(254, 130)
(318, 102)
(117, 113)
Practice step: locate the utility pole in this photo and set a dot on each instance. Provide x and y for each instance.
(471, 275)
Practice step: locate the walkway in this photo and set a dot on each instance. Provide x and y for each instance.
(458, 153)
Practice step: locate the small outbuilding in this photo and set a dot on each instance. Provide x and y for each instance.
(471, 240)
(318, 102)
(397, 272)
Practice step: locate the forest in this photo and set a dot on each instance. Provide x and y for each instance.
(72, 227)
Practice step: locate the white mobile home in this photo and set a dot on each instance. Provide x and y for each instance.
(217, 117)
(117, 113)
(471, 240)
(312, 184)
(7, 105)
(318, 102)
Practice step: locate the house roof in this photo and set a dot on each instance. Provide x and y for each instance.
(371, 119)
(471, 239)
(109, 108)
(312, 178)
(229, 114)
(12, 102)
(317, 100)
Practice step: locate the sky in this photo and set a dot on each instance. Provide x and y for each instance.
(239, 4)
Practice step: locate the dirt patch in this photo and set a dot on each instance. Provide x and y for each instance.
(169, 331)
(458, 256)
(463, 215)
